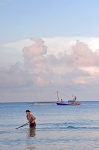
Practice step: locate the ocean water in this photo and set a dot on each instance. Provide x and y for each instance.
(58, 127)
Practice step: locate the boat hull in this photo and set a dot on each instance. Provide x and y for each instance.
(68, 103)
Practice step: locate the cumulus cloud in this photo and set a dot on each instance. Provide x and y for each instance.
(35, 61)
(82, 56)
(69, 68)
(40, 64)
(13, 77)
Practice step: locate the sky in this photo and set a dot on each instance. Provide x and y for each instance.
(48, 46)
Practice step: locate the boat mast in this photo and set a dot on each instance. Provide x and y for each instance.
(57, 96)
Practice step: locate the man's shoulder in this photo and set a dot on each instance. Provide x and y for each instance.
(32, 115)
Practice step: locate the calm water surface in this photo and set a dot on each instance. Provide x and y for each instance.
(58, 127)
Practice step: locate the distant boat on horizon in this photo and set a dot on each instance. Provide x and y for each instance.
(69, 102)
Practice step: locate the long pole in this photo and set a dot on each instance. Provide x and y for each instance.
(22, 125)
(57, 96)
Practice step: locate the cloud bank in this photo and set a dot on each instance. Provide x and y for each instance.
(48, 66)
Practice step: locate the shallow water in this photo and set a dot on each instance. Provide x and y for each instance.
(58, 127)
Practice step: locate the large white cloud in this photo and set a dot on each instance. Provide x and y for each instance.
(68, 64)
(56, 44)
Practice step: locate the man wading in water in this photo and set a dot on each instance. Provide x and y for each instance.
(31, 119)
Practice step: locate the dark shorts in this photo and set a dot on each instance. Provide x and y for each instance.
(33, 125)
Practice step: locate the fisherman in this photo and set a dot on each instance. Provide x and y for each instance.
(61, 100)
(31, 119)
(74, 98)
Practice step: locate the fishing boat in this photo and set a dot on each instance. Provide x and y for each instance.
(69, 102)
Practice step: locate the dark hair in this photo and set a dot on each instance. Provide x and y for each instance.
(27, 110)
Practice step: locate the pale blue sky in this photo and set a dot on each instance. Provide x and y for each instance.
(21, 19)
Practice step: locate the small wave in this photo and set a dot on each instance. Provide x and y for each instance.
(74, 127)
(68, 127)
(3, 132)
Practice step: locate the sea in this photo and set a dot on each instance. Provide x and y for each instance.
(57, 127)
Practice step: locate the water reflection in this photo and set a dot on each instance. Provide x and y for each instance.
(31, 132)
(30, 148)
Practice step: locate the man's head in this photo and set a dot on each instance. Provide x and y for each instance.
(27, 111)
